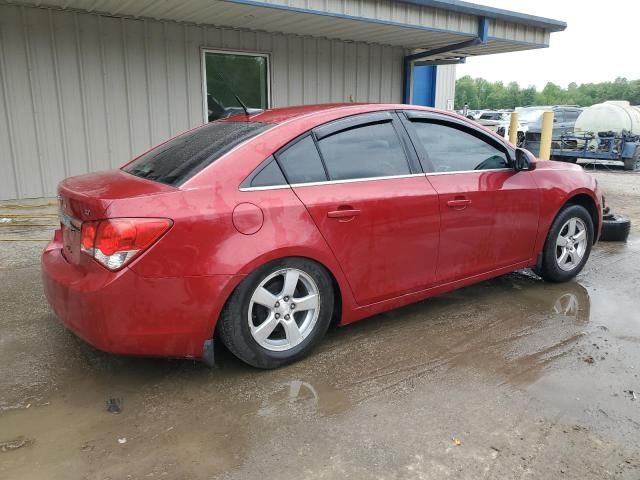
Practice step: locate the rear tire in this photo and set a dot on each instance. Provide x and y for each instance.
(568, 245)
(279, 313)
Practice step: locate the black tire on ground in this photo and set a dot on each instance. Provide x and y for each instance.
(615, 228)
(234, 330)
(548, 268)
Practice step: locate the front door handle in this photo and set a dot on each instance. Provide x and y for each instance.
(459, 203)
(346, 213)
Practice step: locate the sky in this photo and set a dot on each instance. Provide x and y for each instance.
(599, 44)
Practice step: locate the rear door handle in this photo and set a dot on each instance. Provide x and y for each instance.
(347, 213)
(459, 203)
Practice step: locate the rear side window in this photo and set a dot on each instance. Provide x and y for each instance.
(268, 176)
(364, 152)
(301, 162)
(453, 150)
(180, 158)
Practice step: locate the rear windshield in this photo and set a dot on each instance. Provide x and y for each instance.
(180, 158)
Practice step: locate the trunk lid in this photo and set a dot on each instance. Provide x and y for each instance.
(87, 197)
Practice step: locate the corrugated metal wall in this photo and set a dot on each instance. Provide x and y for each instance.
(445, 85)
(82, 92)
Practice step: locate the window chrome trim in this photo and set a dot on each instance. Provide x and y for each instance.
(353, 180)
(331, 182)
(266, 187)
(368, 179)
(469, 171)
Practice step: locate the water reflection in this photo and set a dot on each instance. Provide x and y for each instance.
(512, 328)
(291, 395)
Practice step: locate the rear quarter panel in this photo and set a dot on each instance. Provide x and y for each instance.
(204, 242)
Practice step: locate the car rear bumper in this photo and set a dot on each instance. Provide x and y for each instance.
(125, 313)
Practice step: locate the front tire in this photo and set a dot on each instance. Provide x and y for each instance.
(568, 245)
(279, 313)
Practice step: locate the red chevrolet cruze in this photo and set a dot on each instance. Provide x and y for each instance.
(258, 230)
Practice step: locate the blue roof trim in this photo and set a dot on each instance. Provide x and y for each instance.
(257, 3)
(492, 12)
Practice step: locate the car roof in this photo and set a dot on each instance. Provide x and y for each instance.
(290, 122)
(283, 114)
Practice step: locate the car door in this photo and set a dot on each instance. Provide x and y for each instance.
(489, 212)
(369, 199)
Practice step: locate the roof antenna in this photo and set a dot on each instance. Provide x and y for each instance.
(226, 84)
(244, 107)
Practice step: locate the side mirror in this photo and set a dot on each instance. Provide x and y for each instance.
(524, 160)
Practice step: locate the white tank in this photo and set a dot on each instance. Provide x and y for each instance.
(612, 116)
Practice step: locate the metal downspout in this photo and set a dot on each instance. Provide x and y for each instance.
(410, 60)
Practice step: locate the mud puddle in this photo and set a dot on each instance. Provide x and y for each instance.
(526, 376)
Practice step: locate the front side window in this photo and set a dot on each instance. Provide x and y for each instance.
(364, 152)
(182, 157)
(453, 150)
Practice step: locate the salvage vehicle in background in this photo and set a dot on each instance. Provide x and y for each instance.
(258, 230)
(499, 122)
(606, 132)
(564, 119)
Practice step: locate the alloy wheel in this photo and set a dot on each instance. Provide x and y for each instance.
(284, 309)
(571, 244)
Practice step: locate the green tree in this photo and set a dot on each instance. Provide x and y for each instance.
(478, 93)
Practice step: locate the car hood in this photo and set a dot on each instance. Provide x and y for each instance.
(553, 165)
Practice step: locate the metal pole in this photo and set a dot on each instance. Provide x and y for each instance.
(545, 136)
(513, 129)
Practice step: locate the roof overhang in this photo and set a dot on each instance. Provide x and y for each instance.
(494, 13)
(412, 24)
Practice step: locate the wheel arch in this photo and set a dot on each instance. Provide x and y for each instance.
(588, 202)
(554, 205)
(340, 287)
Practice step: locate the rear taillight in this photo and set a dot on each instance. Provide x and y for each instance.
(116, 241)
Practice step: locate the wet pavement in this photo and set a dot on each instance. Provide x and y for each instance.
(510, 378)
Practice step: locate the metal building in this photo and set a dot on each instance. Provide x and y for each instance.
(88, 84)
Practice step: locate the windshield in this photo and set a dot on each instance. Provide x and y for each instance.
(180, 158)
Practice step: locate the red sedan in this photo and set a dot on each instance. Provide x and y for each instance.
(258, 230)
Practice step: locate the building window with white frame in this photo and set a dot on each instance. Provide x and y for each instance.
(228, 75)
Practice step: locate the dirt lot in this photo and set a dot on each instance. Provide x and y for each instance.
(511, 378)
